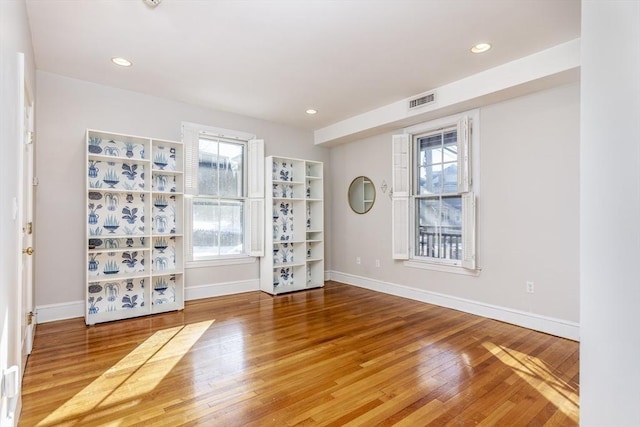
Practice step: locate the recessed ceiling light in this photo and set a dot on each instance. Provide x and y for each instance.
(481, 47)
(311, 111)
(123, 62)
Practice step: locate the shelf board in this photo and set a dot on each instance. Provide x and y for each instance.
(166, 272)
(107, 250)
(277, 181)
(289, 198)
(123, 313)
(165, 172)
(116, 190)
(167, 192)
(128, 236)
(117, 277)
(107, 158)
(286, 289)
(168, 306)
(166, 235)
(118, 236)
(288, 264)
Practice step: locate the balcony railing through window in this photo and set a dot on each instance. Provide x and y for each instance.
(440, 245)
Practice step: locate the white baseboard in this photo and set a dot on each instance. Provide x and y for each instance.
(549, 325)
(220, 289)
(70, 310)
(62, 311)
(558, 327)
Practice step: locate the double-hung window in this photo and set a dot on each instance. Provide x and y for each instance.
(433, 198)
(224, 193)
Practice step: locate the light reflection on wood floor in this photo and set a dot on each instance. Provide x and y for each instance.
(334, 356)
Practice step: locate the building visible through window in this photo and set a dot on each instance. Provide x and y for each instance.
(437, 202)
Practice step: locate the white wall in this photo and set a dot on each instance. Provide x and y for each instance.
(65, 109)
(610, 214)
(528, 212)
(15, 37)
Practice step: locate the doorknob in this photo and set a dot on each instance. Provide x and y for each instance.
(28, 251)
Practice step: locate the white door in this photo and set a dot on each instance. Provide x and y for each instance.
(27, 325)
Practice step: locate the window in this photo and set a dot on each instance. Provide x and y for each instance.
(433, 201)
(224, 189)
(218, 209)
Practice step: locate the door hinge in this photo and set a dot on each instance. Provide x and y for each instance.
(28, 228)
(36, 181)
(30, 316)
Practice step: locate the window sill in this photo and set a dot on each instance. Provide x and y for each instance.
(221, 262)
(445, 268)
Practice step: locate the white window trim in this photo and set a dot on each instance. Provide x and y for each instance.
(252, 192)
(447, 266)
(443, 267)
(221, 261)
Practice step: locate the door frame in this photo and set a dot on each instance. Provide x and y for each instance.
(27, 174)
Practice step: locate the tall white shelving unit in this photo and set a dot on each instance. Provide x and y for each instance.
(134, 237)
(294, 237)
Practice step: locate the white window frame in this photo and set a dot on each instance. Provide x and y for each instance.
(404, 200)
(253, 193)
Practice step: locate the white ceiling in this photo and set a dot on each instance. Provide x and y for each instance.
(273, 59)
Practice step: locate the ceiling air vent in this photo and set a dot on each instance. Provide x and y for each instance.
(422, 100)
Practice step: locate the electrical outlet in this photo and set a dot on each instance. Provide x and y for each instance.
(358, 260)
(377, 263)
(530, 288)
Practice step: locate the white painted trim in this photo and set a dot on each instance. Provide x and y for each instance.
(549, 325)
(548, 68)
(220, 289)
(61, 311)
(69, 310)
(217, 132)
(443, 267)
(220, 262)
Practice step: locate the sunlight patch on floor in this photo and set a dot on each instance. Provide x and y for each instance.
(137, 374)
(535, 372)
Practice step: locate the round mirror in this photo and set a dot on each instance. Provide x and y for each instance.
(361, 195)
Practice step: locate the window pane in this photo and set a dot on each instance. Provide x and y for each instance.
(451, 215)
(450, 137)
(231, 182)
(451, 228)
(218, 227)
(430, 149)
(431, 179)
(450, 178)
(208, 167)
(205, 228)
(220, 168)
(438, 156)
(439, 227)
(231, 228)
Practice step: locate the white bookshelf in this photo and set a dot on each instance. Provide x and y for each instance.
(134, 237)
(294, 230)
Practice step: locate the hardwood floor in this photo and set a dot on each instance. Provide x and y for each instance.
(334, 356)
